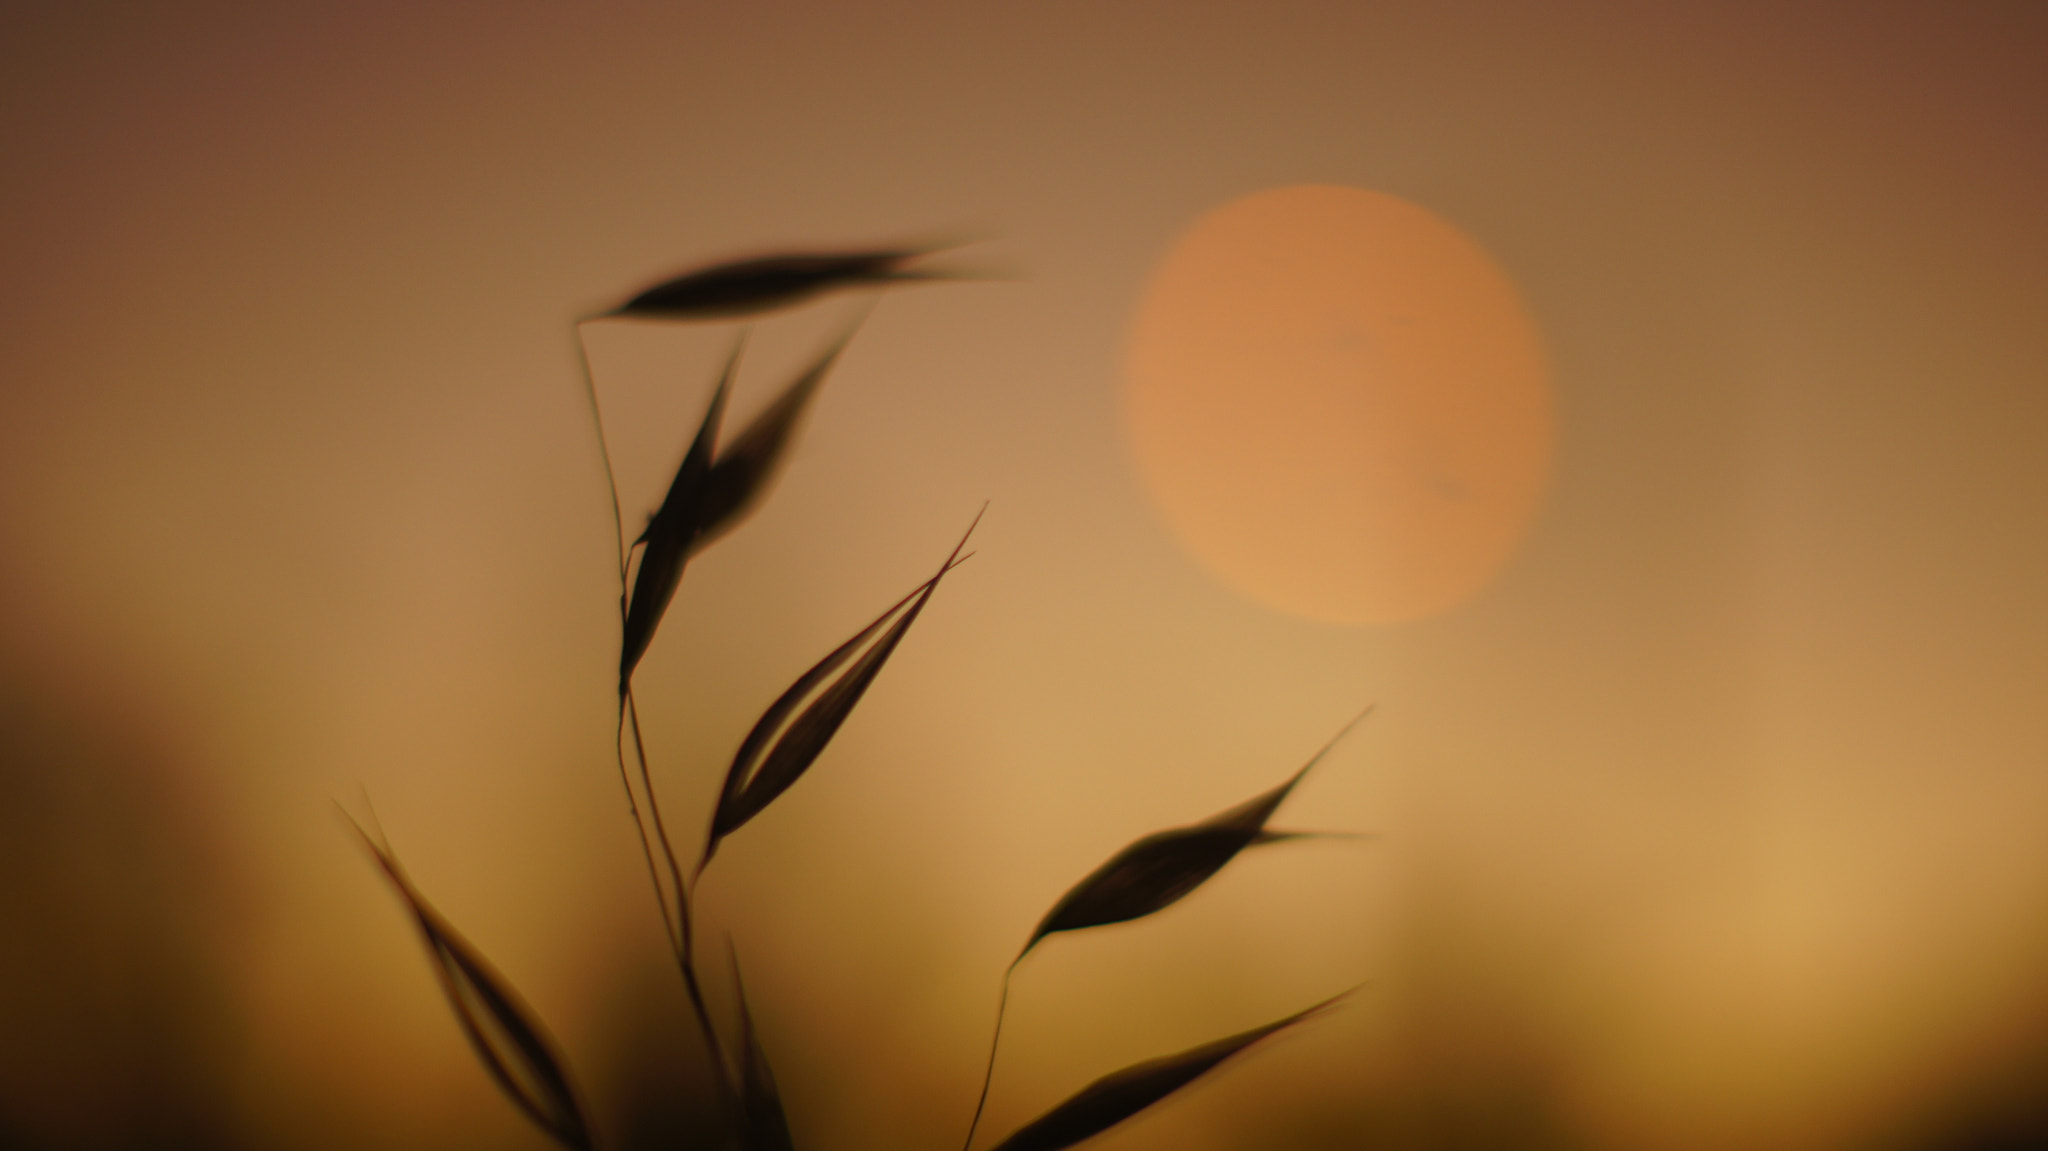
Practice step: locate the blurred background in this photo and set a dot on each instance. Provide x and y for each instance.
(1715, 815)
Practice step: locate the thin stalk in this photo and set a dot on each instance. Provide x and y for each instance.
(611, 484)
(668, 852)
(669, 930)
(686, 939)
(676, 924)
(604, 453)
(988, 1076)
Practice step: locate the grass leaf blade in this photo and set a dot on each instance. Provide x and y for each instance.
(749, 287)
(805, 738)
(1162, 868)
(744, 794)
(1122, 1094)
(772, 720)
(1151, 874)
(508, 1039)
(1252, 814)
(665, 545)
(744, 469)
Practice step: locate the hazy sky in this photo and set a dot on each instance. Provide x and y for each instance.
(1719, 819)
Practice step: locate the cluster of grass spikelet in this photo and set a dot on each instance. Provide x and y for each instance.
(717, 486)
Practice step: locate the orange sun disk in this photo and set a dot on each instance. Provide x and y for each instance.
(1339, 403)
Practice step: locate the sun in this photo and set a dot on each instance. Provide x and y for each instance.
(1339, 403)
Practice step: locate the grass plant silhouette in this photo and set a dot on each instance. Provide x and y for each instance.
(713, 491)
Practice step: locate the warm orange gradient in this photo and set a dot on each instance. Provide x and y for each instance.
(1340, 403)
(1719, 819)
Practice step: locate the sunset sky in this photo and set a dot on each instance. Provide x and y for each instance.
(1714, 815)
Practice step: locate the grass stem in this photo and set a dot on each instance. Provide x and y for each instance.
(675, 935)
(683, 931)
(988, 1074)
(675, 920)
(604, 453)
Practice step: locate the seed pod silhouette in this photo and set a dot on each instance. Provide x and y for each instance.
(1162, 868)
(1122, 1094)
(665, 545)
(751, 287)
(508, 1038)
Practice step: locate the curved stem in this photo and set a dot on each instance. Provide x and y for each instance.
(670, 929)
(676, 939)
(685, 938)
(668, 854)
(676, 923)
(988, 1076)
(611, 481)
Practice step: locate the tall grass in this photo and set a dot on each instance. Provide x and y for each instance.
(718, 485)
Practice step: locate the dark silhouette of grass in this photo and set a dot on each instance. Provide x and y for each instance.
(502, 1029)
(1166, 866)
(750, 287)
(714, 490)
(1149, 875)
(1117, 1096)
(761, 771)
